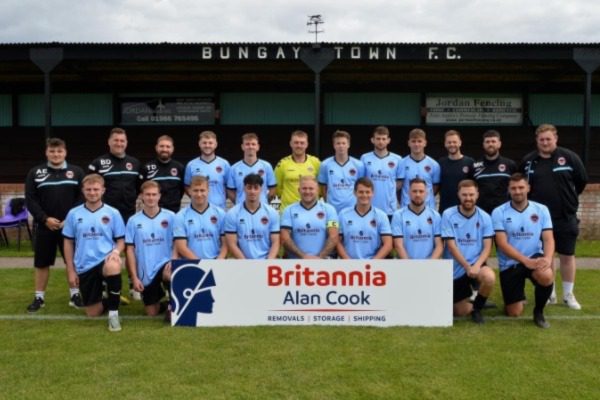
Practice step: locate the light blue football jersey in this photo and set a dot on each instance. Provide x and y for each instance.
(253, 229)
(418, 231)
(361, 234)
(384, 172)
(217, 172)
(203, 230)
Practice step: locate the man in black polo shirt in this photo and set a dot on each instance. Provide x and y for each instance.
(168, 173)
(51, 190)
(492, 173)
(557, 177)
(121, 174)
(454, 168)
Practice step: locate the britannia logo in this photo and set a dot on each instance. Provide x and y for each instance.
(213, 219)
(69, 174)
(501, 167)
(264, 220)
(534, 218)
(174, 171)
(129, 166)
(105, 220)
(468, 236)
(320, 215)
(164, 223)
(561, 161)
(191, 292)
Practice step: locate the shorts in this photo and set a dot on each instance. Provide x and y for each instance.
(462, 288)
(154, 291)
(565, 232)
(45, 244)
(91, 285)
(512, 283)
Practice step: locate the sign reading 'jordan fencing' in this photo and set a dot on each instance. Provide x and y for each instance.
(474, 110)
(311, 292)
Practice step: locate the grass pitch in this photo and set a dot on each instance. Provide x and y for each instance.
(58, 354)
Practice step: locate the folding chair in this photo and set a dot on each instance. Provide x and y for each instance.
(15, 216)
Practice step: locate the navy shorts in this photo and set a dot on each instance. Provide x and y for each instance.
(45, 244)
(154, 292)
(91, 285)
(565, 232)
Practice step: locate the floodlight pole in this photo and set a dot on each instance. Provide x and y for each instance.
(589, 60)
(46, 59)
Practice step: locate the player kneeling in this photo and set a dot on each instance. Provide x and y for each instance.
(468, 233)
(149, 240)
(93, 240)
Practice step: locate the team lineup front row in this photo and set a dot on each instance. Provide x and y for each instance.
(350, 225)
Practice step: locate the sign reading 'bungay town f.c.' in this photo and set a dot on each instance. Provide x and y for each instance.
(311, 292)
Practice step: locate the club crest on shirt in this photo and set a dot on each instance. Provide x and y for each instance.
(173, 171)
(105, 219)
(219, 169)
(70, 174)
(264, 220)
(430, 221)
(352, 172)
(320, 215)
(561, 161)
(427, 168)
(129, 166)
(534, 218)
(391, 164)
(465, 169)
(213, 219)
(502, 167)
(373, 223)
(164, 223)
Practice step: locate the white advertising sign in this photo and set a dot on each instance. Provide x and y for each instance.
(474, 110)
(312, 292)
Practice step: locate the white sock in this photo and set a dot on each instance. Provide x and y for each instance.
(113, 313)
(567, 288)
(73, 291)
(40, 294)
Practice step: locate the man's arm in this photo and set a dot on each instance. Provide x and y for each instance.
(333, 236)
(504, 246)
(341, 250)
(231, 195)
(483, 256)
(181, 245)
(69, 252)
(234, 249)
(289, 245)
(549, 247)
(438, 249)
(456, 254)
(131, 264)
(223, 251)
(399, 246)
(274, 250)
(386, 247)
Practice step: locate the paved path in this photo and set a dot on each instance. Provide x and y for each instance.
(27, 262)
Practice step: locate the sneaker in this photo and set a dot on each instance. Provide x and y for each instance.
(571, 301)
(76, 301)
(114, 324)
(552, 299)
(477, 317)
(35, 305)
(540, 321)
(135, 295)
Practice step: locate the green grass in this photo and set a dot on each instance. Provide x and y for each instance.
(502, 359)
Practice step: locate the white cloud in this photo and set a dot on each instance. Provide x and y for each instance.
(285, 21)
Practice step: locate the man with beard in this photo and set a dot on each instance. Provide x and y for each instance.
(309, 227)
(453, 168)
(416, 228)
(215, 168)
(492, 173)
(525, 250)
(468, 233)
(120, 172)
(168, 173)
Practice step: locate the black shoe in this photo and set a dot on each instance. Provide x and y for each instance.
(167, 317)
(540, 321)
(76, 301)
(163, 306)
(37, 303)
(477, 317)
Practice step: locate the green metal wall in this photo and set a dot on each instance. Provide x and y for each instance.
(92, 109)
(562, 109)
(267, 108)
(5, 110)
(372, 108)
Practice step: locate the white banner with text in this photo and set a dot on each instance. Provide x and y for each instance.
(311, 292)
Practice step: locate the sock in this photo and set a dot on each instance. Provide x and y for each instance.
(542, 294)
(113, 286)
(40, 294)
(567, 288)
(479, 301)
(73, 291)
(113, 313)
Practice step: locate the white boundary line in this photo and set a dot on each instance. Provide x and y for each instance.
(67, 317)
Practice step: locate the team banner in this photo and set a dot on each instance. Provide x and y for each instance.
(311, 292)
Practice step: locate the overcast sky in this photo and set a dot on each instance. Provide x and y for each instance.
(285, 21)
